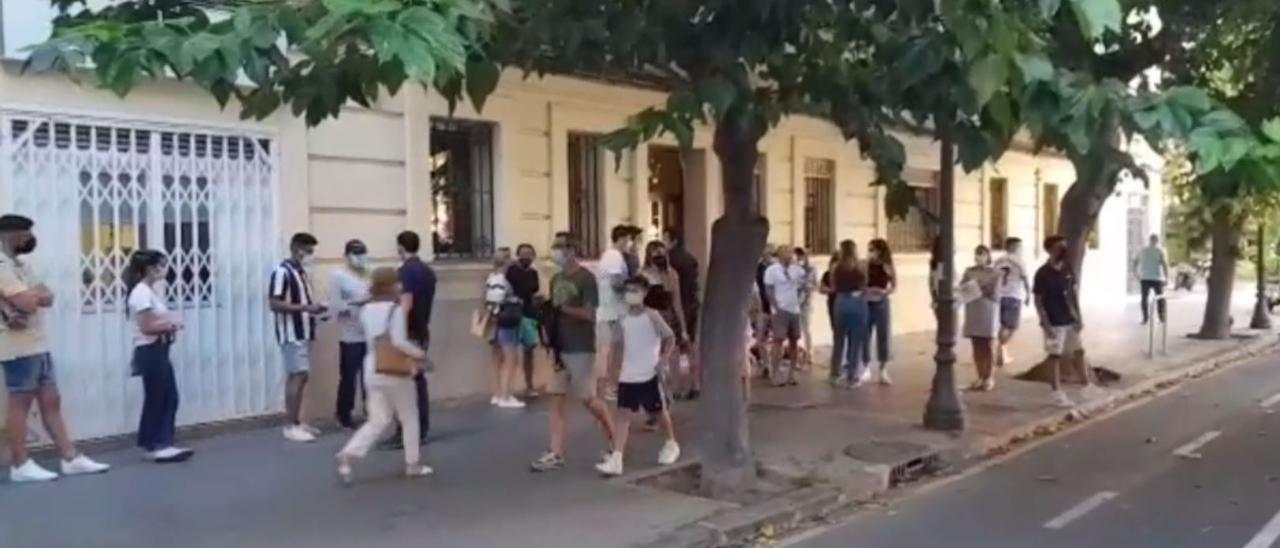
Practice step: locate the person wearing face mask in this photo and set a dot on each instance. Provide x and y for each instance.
(525, 283)
(504, 312)
(25, 358)
(155, 330)
(292, 300)
(646, 341)
(1057, 302)
(348, 291)
(982, 314)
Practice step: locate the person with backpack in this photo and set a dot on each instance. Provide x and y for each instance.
(503, 313)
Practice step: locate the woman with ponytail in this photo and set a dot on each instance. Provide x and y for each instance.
(154, 331)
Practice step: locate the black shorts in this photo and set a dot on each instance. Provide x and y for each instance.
(647, 395)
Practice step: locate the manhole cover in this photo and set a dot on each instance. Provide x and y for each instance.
(886, 452)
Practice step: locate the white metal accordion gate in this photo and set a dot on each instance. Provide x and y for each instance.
(100, 188)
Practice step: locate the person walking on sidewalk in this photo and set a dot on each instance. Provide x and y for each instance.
(849, 282)
(663, 291)
(349, 290)
(417, 297)
(784, 283)
(571, 326)
(647, 342)
(24, 355)
(979, 286)
(390, 397)
(292, 301)
(525, 284)
(503, 314)
(686, 266)
(155, 330)
(1058, 304)
(1152, 270)
(1014, 292)
(882, 280)
(612, 272)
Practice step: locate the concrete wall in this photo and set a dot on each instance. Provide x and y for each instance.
(366, 176)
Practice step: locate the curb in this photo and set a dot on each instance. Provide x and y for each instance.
(737, 526)
(978, 448)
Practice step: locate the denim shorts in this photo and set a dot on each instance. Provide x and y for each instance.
(297, 357)
(506, 337)
(28, 373)
(1010, 313)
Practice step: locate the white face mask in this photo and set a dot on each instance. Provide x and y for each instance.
(635, 298)
(359, 262)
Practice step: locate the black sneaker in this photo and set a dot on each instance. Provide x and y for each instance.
(547, 462)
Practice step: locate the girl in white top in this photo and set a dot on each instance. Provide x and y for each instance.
(504, 339)
(154, 331)
(390, 397)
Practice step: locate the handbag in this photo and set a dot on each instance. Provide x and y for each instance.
(389, 360)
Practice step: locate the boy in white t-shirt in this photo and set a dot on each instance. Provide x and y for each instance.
(646, 341)
(1014, 290)
(611, 274)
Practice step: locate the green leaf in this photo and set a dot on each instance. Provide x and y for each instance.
(1190, 98)
(1035, 67)
(1224, 121)
(684, 102)
(1096, 17)
(1049, 8)
(717, 92)
(482, 79)
(987, 76)
(1271, 128)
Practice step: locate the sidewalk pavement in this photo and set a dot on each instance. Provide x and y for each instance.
(253, 489)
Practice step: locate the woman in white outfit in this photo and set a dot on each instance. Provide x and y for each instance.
(390, 398)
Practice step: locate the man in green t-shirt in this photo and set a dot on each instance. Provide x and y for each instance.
(574, 299)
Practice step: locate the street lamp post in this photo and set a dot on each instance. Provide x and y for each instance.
(1261, 316)
(945, 411)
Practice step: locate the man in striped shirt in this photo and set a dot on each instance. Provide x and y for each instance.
(293, 304)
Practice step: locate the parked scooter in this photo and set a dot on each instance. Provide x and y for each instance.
(1188, 274)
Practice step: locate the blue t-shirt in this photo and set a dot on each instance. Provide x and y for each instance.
(418, 280)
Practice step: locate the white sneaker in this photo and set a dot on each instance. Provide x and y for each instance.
(864, 375)
(170, 454)
(83, 465)
(512, 403)
(611, 465)
(1061, 399)
(30, 472)
(418, 470)
(669, 454)
(310, 429)
(884, 377)
(495, 401)
(298, 434)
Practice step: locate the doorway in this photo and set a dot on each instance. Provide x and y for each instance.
(678, 197)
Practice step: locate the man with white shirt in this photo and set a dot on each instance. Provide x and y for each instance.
(1014, 292)
(349, 291)
(611, 276)
(784, 282)
(1152, 269)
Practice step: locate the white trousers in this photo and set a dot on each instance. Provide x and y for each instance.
(389, 400)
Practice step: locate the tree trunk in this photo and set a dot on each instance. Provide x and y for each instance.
(737, 239)
(1222, 275)
(944, 410)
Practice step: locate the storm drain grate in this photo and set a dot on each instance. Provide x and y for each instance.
(913, 470)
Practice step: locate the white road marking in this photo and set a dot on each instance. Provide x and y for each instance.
(1268, 535)
(1078, 511)
(1192, 449)
(1274, 399)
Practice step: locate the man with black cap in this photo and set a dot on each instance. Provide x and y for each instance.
(24, 355)
(348, 292)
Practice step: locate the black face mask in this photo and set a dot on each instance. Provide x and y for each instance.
(526, 262)
(660, 262)
(25, 247)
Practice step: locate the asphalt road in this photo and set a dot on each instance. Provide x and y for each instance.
(1199, 467)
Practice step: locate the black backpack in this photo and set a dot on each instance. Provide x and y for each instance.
(510, 314)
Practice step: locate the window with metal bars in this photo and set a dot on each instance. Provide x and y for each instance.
(585, 176)
(914, 233)
(462, 188)
(819, 205)
(998, 190)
